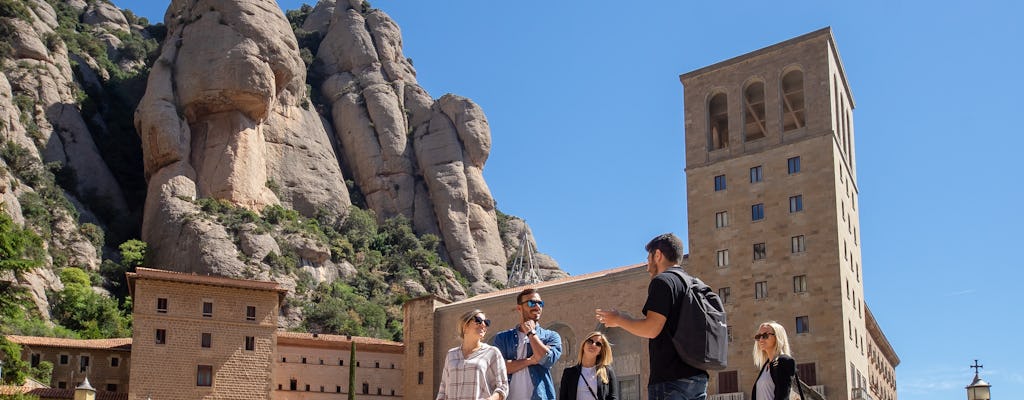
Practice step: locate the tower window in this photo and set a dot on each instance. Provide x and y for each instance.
(250, 343)
(207, 309)
(722, 258)
(161, 336)
(207, 340)
(204, 375)
(250, 313)
(756, 174)
(718, 119)
(723, 293)
(796, 203)
(757, 212)
(800, 284)
(793, 101)
(753, 117)
(760, 290)
(793, 165)
(719, 182)
(721, 219)
(760, 251)
(161, 305)
(802, 324)
(797, 244)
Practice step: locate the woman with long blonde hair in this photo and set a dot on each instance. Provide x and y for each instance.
(772, 355)
(592, 378)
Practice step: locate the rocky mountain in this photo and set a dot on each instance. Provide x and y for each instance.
(296, 147)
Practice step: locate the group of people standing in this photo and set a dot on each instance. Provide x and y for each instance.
(518, 365)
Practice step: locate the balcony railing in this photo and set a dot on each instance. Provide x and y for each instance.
(860, 394)
(727, 396)
(820, 389)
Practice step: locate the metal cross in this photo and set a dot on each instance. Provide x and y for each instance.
(976, 366)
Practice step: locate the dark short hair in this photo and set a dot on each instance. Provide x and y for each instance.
(524, 293)
(670, 245)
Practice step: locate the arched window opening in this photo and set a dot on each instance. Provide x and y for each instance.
(753, 100)
(718, 119)
(793, 116)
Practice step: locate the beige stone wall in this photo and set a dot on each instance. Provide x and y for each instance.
(99, 371)
(325, 372)
(420, 379)
(169, 370)
(833, 302)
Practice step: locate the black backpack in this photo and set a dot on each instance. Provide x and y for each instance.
(701, 336)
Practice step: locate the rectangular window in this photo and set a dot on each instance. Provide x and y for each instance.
(728, 333)
(728, 382)
(719, 182)
(115, 362)
(802, 325)
(419, 378)
(800, 284)
(250, 344)
(83, 363)
(207, 340)
(250, 313)
(793, 164)
(723, 293)
(337, 389)
(63, 359)
(797, 244)
(161, 336)
(161, 305)
(420, 349)
(34, 359)
(808, 374)
(111, 387)
(723, 258)
(760, 251)
(756, 174)
(62, 385)
(796, 203)
(721, 219)
(760, 289)
(757, 212)
(207, 309)
(204, 375)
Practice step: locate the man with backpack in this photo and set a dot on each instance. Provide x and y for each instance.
(679, 362)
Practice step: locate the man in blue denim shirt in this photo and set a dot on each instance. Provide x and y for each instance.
(529, 351)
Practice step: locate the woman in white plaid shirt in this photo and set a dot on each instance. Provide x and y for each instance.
(475, 370)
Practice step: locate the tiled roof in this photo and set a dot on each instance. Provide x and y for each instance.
(158, 274)
(338, 341)
(554, 282)
(116, 344)
(51, 393)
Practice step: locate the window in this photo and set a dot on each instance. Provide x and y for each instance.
(307, 387)
(796, 203)
(808, 374)
(419, 378)
(83, 363)
(207, 309)
(321, 389)
(161, 336)
(800, 284)
(376, 364)
(797, 244)
(793, 101)
(723, 258)
(161, 305)
(760, 251)
(250, 313)
(115, 362)
(366, 388)
(718, 118)
(793, 165)
(728, 382)
(62, 385)
(757, 212)
(34, 359)
(756, 174)
(337, 389)
(760, 289)
(721, 219)
(719, 182)
(111, 387)
(63, 360)
(293, 385)
(207, 340)
(802, 325)
(303, 360)
(728, 333)
(250, 344)
(420, 347)
(723, 293)
(753, 118)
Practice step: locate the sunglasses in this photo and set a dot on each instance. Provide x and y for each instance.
(597, 343)
(533, 303)
(764, 336)
(481, 321)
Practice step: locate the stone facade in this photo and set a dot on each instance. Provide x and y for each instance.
(773, 217)
(106, 362)
(202, 337)
(312, 367)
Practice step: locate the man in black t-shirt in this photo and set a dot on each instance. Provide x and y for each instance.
(671, 377)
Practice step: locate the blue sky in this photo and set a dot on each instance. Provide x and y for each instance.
(586, 114)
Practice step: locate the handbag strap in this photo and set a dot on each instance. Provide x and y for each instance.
(584, 378)
(799, 386)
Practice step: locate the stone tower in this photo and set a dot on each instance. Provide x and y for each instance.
(773, 214)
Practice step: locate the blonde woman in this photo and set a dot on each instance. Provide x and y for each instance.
(475, 370)
(772, 355)
(592, 378)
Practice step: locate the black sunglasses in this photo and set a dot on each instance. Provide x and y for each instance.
(595, 342)
(533, 303)
(765, 335)
(481, 321)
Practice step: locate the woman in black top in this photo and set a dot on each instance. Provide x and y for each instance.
(592, 378)
(771, 353)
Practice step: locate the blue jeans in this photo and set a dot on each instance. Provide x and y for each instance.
(692, 388)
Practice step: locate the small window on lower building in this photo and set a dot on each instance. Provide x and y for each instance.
(337, 389)
(34, 359)
(420, 349)
(62, 385)
(111, 387)
(207, 340)
(307, 387)
(63, 360)
(303, 360)
(419, 378)
(115, 362)
(379, 391)
(376, 364)
(321, 389)
(161, 336)
(802, 324)
(728, 382)
(204, 375)
(250, 343)
(83, 363)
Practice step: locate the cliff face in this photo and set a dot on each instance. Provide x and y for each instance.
(239, 110)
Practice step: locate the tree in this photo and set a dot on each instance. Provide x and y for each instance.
(19, 247)
(15, 369)
(351, 369)
(91, 314)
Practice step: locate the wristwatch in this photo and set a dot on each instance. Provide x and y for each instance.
(531, 333)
